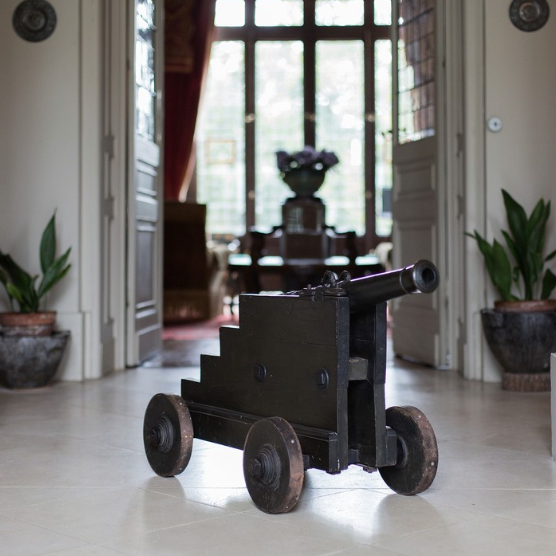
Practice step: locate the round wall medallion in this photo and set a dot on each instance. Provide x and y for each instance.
(529, 15)
(34, 20)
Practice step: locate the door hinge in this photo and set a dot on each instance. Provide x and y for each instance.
(109, 145)
(460, 206)
(108, 207)
(459, 143)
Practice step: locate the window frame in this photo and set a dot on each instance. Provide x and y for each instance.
(309, 33)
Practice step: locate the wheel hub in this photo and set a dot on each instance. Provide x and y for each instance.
(266, 466)
(161, 435)
(402, 457)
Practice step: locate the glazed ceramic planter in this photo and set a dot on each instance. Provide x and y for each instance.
(522, 341)
(30, 361)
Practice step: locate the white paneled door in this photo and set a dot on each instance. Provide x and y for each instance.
(144, 276)
(420, 326)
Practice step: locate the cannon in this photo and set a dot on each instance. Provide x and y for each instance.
(299, 385)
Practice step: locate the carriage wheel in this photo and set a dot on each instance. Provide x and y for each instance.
(273, 465)
(168, 434)
(417, 461)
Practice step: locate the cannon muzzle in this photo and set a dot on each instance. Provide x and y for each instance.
(421, 277)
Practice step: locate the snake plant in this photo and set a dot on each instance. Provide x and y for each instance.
(525, 240)
(21, 287)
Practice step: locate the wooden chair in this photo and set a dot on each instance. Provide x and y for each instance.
(195, 275)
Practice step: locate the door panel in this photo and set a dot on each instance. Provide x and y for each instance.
(144, 321)
(417, 332)
(415, 208)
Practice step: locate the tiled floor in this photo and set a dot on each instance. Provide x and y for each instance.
(74, 480)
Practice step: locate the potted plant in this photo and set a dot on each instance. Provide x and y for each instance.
(521, 329)
(304, 171)
(30, 351)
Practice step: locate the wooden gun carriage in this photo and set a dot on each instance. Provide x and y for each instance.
(299, 385)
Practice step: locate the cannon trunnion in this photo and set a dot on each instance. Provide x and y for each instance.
(298, 385)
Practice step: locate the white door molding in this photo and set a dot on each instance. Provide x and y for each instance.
(113, 195)
(475, 184)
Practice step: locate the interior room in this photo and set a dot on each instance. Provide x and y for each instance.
(171, 168)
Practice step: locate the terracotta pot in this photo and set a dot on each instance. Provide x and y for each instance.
(535, 306)
(28, 324)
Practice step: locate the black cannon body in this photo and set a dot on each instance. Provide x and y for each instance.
(298, 385)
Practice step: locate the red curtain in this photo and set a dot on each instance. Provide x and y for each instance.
(183, 86)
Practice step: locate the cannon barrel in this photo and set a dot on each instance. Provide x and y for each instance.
(421, 277)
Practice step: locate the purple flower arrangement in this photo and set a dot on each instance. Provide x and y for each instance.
(308, 159)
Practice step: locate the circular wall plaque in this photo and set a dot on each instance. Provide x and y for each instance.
(34, 20)
(529, 15)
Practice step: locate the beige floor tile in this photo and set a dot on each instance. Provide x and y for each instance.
(540, 513)
(483, 467)
(22, 539)
(65, 462)
(367, 550)
(353, 477)
(15, 498)
(490, 501)
(481, 537)
(88, 550)
(230, 499)
(233, 535)
(97, 519)
(366, 516)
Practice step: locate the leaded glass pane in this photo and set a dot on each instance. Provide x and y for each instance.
(278, 12)
(383, 12)
(416, 59)
(279, 122)
(230, 13)
(340, 128)
(221, 141)
(383, 137)
(144, 69)
(339, 12)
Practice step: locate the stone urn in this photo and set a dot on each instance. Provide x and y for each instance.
(30, 361)
(521, 336)
(304, 182)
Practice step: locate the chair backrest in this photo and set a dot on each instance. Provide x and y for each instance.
(185, 246)
(303, 236)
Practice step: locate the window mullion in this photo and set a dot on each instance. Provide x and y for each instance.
(309, 93)
(250, 114)
(249, 14)
(309, 64)
(250, 124)
(370, 129)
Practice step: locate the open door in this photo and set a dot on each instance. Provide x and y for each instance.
(144, 228)
(420, 327)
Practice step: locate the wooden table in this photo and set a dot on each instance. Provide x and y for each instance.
(294, 274)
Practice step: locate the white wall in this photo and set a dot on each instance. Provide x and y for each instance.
(49, 160)
(520, 85)
(512, 76)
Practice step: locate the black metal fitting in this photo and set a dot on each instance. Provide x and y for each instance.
(260, 372)
(322, 379)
